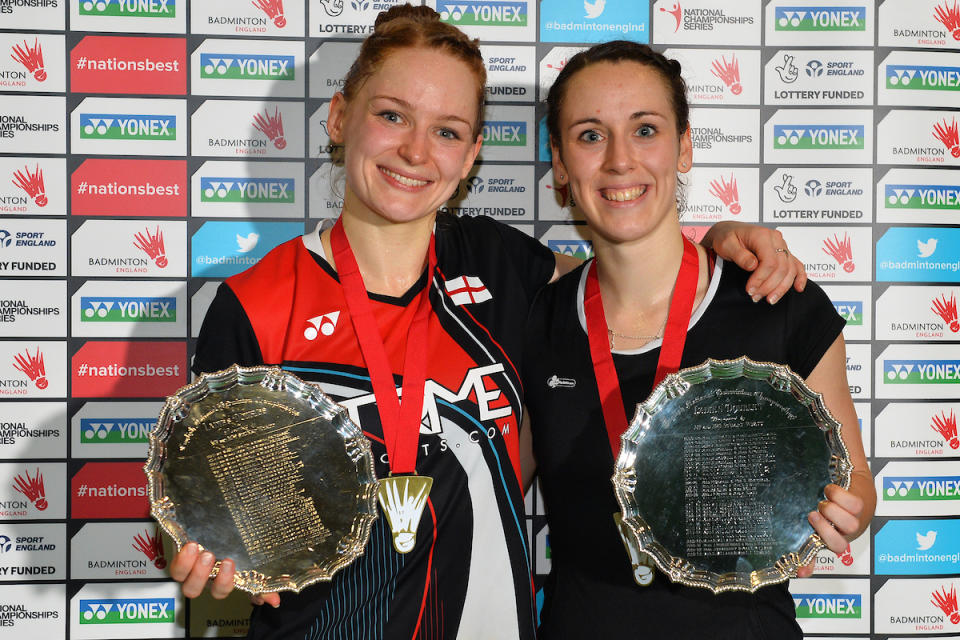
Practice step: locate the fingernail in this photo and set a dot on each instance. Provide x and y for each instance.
(755, 298)
(275, 606)
(206, 558)
(751, 292)
(773, 299)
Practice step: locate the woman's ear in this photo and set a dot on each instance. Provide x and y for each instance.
(559, 171)
(337, 113)
(685, 160)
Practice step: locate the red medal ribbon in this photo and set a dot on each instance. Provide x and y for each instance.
(671, 350)
(400, 420)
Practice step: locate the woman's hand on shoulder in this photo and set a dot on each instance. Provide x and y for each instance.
(762, 251)
(191, 568)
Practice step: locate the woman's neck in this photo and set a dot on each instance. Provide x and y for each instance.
(391, 255)
(637, 281)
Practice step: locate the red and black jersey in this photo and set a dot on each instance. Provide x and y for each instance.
(469, 574)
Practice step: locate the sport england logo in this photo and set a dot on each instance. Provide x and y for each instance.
(127, 611)
(465, 290)
(32, 488)
(247, 67)
(32, 366)
(129, 8)
(152, 245)
(32, 184)
(274, 11)
(151, 546)
(324, 324)
(115, 126)
(31, 58)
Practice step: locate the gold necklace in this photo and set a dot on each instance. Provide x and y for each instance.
(615, 334)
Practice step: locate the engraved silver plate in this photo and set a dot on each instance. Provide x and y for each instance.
(261, 467)
(720, 467)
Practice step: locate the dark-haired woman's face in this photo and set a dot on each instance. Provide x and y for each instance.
(407, 134)
(620, 150)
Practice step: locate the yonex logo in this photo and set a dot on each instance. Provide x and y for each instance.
(921, 371)
(912, 488)
(31, 58)
(851, 311)
(253, 190)
(576, 248)
(921, 196)
(923, 77)
(129, 8)
(222, 66)
(505, 134)
(828, 605)
(120, 431)
(484, 12)
(127, 611)
(850, 18)
(117, 126)
(818, 136)
(127, 309)
(324, 324)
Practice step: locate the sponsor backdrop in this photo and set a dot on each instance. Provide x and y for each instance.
(151, 148)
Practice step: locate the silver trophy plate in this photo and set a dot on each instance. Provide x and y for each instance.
(718, 470)
(261, 467)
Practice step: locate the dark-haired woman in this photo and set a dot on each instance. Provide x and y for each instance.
(447, 297)
(596, 344)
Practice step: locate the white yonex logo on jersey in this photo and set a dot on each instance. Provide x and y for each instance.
(467, 290)
(324, 324)
(555, 381)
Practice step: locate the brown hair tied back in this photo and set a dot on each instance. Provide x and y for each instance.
(405, 26)
(620, 51)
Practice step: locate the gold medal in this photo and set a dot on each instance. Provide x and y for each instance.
(643, 566)
(402, 499)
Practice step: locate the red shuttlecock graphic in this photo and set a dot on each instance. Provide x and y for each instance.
(151, 546)
(947, 309)
(947, 134)
(31, 58)
(152, 245)
(947, 602)
(727, 192)
(729, 72)
(846, 557)
(271, 126)
(273, 9)
(32, 488)
(32, 183)
(949, 17)
(841, 251)
(946, 426)
(33, 367)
